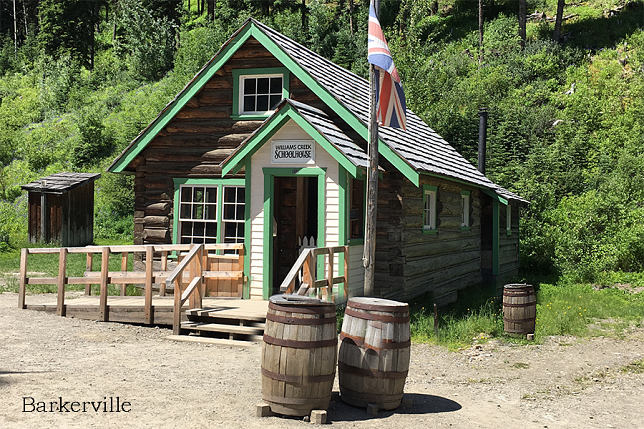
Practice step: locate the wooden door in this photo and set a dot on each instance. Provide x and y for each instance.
(285, 249)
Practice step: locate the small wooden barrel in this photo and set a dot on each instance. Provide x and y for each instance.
(519, 309)
(374, 352)
(298, 354)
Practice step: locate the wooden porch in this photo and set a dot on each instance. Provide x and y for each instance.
(231, 318)
(198, 274)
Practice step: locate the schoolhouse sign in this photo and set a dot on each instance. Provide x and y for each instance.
(292, 151)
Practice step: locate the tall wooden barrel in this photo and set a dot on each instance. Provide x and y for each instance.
(519, 308)
(298, 354)
(374, 352)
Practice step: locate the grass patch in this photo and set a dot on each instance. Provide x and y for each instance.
(475, 316)
(521, 365)
(563, 308)
(636, 367)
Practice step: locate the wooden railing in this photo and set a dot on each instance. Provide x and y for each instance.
(305, 268)
(194, 260)
(148, 277)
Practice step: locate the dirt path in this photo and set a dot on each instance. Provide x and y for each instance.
(563, 383)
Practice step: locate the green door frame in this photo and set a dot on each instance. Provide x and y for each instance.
(269, 188)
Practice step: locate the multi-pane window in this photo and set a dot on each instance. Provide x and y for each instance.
(198, 214)
(465, 204)
(429, 208)
(233, 214)
(260, 94)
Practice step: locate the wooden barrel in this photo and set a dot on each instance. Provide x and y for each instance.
(374, 352)
(298, 354)
(519, 309)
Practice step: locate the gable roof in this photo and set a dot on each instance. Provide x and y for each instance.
(418, 150)
(314, 122)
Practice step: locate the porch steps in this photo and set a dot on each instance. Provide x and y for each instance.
(213, 323)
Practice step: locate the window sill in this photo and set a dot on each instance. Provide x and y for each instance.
(508, 233)
(465, 228)
(250, 117)
(430, 231)
(355, 241)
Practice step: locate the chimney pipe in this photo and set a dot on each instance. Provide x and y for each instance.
(482, 138)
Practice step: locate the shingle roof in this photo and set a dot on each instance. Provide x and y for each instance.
(60, 182)
(419, 145)
(330, 130)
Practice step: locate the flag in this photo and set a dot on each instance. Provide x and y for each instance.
(390, 98)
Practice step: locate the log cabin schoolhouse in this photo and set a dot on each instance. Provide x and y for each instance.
(266, 146)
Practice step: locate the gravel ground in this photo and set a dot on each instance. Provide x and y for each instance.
(565, 382)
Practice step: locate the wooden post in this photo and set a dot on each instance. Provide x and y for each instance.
(436, 320)
(43, 216)
(164, 267)
(123, 270)
(346, 271)
(23, 278)
(201, 287)
(176, 313)
(329, 277)
(307, 275)
(149, 266)
(241, 282)
(88, 267)
(105, 269)
(62, 269)
(369, 256)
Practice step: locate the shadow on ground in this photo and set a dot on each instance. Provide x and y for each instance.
(412, 403)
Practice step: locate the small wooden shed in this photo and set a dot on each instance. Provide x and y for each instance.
(61, 209)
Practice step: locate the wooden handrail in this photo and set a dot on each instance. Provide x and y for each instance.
(194, 260)
(306, 263)
(289, 280)
(137, 248)
(183, 264)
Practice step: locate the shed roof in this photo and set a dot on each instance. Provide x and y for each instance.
(60, 183)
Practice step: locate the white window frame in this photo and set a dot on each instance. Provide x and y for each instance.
(205, 220)
(429, 213)
(465, 205)
(241, 85)
(508, 219)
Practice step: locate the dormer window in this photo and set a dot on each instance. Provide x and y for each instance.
(257, 92)
(260, 94)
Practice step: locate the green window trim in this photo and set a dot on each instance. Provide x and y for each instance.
(428, 229)
(495, 237)
(239, 73)
(467, 207)
(267, 253)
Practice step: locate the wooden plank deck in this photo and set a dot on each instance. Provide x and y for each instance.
(131, 309)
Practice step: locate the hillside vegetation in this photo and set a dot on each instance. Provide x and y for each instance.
(566, 118)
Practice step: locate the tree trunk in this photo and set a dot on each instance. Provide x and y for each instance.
(24, 16)
(15, 30)
(211, 9)
(480, 32)
(351, 15)
(557, 33)
(522, 23)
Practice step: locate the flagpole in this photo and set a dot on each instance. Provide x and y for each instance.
(369, 255)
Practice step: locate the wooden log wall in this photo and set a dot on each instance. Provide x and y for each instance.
(196, 141)
(508, 245)
(418, 262)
